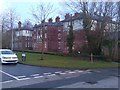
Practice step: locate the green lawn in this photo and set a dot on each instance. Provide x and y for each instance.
(63, 61)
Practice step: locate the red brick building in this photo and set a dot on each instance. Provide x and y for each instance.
(79, 34)
(22, 37)
(52, 35)
(55, 34)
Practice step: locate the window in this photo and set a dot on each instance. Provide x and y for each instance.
(27, 31)
(26, 38)
(34, 45)
(59, 34)
(59, 43)
(59, 47)
(45, 45)
(73, 47)
(59, 30)
(34, 37)
(26, 45)
(45, 35)
(59, 38)
(45, 27)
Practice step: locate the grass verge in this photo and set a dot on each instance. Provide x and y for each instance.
(63, 61)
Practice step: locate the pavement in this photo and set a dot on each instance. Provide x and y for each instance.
(111, 82)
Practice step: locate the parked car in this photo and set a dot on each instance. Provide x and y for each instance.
(8, 56)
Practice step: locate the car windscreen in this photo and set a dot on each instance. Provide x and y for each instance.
(7, 52)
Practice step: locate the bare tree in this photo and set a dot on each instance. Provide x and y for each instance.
(9, 19)
(40, 14)
(87, 9)
(118, 34)
(108, 12)
(105, 13)
(42, 11)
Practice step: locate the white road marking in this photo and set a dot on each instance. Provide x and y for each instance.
(58, 72)
(7, 81)
(63, 73)
(46, 73)
(78, 71)
(21, 76)
(38, 76)
(23, 79)
(9, 75)
(51, 75)
(71, 72)
(35, 75)
(88, 70)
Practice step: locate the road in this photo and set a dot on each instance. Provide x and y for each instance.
(12, 75)
(25, 76)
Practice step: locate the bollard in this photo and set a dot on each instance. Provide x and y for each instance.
(91, 57)
(23, 56)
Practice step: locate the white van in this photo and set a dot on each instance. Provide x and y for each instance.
(8, 56)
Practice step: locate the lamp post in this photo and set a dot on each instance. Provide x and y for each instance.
(12, 33)
(1, 28)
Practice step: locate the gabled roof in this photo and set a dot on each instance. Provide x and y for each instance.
(93, 17)
(78, 17)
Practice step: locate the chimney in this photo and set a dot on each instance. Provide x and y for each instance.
(27, 23)
(19, 24)
(35, 25)
(67, 16)
(76, 14)
(57, 19)
(50, 20)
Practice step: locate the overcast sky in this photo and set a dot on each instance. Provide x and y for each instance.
(23, 7)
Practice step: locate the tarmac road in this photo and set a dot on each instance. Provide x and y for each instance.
(25, 76)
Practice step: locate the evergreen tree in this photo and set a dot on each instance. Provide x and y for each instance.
(70, 37)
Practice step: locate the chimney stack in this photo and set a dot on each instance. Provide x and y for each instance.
(76, 14)
(50, 20)
(19, 24)
(57, 19)
(67, 16)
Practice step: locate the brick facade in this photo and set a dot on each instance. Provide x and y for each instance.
(55, 34)
(52, 35)
(22, 37)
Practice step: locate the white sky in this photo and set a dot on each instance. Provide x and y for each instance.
(23, 7)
